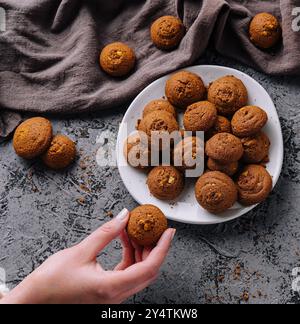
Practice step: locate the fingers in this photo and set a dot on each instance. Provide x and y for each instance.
(128, 253)
(97, 241)
(146, 252)
(138, 252)
(140, 273)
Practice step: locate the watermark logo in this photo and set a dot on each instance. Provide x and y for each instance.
(2, 20)
(296, 21)
(184, 150)
(3, 288)
(296, 281)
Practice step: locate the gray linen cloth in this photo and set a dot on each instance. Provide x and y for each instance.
(49, 51)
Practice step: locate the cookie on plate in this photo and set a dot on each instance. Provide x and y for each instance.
(146, 225)
(222, 125)
(248, 121)
(33, 137)
(230, 169)
(254, 185)
(117, 59)
(167, 32)
(187, 152)
(200, 116)
(228, 94)
(160, 105)
(215, 192)
(137, 151)
(165, 182)
(256, 148)
(225, 148)
(185, 88)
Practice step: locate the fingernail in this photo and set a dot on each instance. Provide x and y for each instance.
(173, 234)
(122, 215)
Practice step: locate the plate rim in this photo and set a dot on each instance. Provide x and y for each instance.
(244, 210)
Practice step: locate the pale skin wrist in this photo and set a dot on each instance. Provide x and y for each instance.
(27, 292)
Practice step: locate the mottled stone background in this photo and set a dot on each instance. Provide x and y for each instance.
(42, 212)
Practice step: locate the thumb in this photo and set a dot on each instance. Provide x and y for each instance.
(98, 240)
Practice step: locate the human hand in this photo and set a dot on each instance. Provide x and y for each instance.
(74, 276)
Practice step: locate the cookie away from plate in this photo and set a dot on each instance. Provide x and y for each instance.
(33, 137)
(167, 32)
(265, 30)
(146, 225)
(61, 153)
(117, 59)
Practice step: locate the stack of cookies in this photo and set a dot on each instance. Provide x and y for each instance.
(236, 148)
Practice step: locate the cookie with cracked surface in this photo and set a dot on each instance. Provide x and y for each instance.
(225, 148)
(248, 121)
(33, 137)
(215, 192)
(254, 185)
(228, 94)
(167, 32)
(230, 169)
(222, 125)
(165, 182)
(146, 225)
(61, 153)
(265, 30)
(200, 116)
(187, 152)
(256, 148)
(117, 59)
(137, 151)
(160, 105)
(185, 88)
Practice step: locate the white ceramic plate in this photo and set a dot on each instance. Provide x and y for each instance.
(185, 209)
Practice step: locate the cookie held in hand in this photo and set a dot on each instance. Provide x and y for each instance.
(33, 137)
(146, 225)
(215, 192)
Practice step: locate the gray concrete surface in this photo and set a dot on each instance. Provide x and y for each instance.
(42, 212)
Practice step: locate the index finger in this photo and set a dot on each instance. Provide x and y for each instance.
(145, 270)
